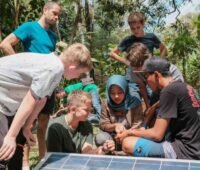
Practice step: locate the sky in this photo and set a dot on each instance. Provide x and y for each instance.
(186, 8)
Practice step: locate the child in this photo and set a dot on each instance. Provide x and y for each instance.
(87, 84)
(72, 133)
(122, 109)
(177, 116)
(136, 22)
(137, 55)
(32, 78)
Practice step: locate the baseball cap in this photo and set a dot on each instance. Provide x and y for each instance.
(156, 64)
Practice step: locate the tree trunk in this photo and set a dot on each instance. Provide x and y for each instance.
(184, 67)
(87, 17)
(0, 32)
(77, 20)
(1, 20)
(16, 9)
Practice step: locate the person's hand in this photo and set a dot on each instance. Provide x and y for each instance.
(120, 136)
(60, 95)
(29, 136)
(109, 146)
(83, 111)
(61, 44)
(8, 148)
(119, 128)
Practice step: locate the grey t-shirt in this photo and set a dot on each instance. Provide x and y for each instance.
(61, 138)
(40, 73)
(179, 104)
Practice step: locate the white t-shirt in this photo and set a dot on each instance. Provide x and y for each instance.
(40, 73)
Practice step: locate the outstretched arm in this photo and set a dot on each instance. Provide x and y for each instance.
(108, 146)
(163, 51)
(28, 124)
(143, 91)
(115, 55)
(25, 109)
(151, 112)
(156, 133)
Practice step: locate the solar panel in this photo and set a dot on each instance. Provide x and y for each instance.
(69, 161)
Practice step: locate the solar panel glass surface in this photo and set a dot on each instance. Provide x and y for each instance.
(61, 161)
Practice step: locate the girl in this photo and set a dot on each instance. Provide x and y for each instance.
(122, 109)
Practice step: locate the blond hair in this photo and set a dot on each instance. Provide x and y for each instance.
(135, 17)
(78, 97)
(79, 54)
(137, 54)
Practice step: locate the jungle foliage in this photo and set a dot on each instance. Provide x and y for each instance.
(101, 25)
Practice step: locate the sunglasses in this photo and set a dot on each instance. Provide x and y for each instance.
(145, 74)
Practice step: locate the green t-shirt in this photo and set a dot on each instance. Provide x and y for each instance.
(90, 88)
(79, 86)
(60, 138)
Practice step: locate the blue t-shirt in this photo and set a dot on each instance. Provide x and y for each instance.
(149, 39)
(35, 38)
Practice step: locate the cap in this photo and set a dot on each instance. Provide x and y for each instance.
(156, 64)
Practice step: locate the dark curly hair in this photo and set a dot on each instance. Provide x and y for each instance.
(137, 54)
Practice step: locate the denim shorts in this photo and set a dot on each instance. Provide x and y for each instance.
(148, 148)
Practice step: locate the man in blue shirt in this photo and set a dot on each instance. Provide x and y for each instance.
(37, 36)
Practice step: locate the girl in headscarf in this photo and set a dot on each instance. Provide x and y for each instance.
(121, 110)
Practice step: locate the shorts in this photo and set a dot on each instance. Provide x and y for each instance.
(49, 106)
(16, 161)
(148, 148)
(3, 165)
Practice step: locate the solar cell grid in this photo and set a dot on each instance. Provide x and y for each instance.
(61, 161)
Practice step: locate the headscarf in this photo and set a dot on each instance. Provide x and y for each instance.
(131, 91)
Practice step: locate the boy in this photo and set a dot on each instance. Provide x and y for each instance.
(177, 116)
(87, 84)
(72, 133)
(137, 55)
(136, 22)
(32, 78)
